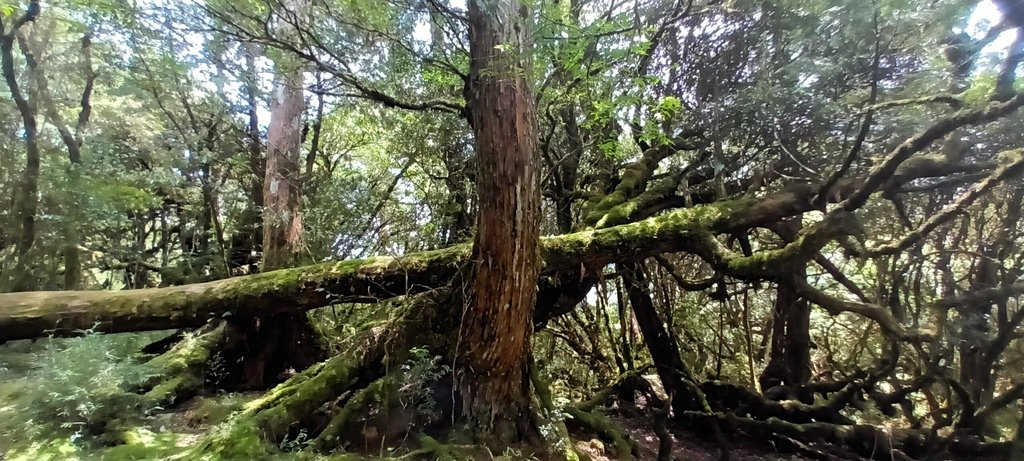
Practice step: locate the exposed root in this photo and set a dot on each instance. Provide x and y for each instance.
(381, 392)
(744, 401)
(305, 403)
(431, 449)
(180, 373)
(625, 448)
(865, 440)
(559, 439)
(624, 387)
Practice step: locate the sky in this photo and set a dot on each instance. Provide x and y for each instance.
(985, 15)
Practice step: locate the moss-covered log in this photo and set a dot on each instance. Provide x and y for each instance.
(62, 313)
(35, 314)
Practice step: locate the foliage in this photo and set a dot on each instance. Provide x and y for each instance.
(78, 390)
(653, 105)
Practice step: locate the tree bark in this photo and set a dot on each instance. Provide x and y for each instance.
(278, 342)
(282, 218)
(789, 363)
(497, 323)
(675, 376)
(26, 202)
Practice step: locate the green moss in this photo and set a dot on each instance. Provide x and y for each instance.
(143, 444)
(382, 392)
(49, 450)
(236, 439)
(681, 229)
(180, 372)
(632, 182)
(217, 409)
(269, 417)
(136, 444)
(625, 449)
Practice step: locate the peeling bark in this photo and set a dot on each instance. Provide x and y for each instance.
(497, 323)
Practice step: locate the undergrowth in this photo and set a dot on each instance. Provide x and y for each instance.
(71, 392)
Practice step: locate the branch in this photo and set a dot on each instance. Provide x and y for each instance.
(28, 315)
(1013, 165)
(30, 16)
(951, 100)
(882, 172)
(836, 306)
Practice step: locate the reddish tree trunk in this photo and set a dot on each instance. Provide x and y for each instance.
(279, 342)
(282, 216)
(498, 321)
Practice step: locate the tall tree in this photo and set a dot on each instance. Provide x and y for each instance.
(26, 202)
(278, 342)
(498, 321)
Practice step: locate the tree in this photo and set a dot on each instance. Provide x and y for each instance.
(729, 191)
(278, 342)
(497, 323)
(26, 202)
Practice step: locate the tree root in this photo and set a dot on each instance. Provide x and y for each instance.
(625, 448)
(181, 372)
(624, 387)
(733, 397)
(865, 440)
(295, 403)
(382, 392)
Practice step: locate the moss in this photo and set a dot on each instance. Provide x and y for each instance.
(625, 449)
(807, 243)
(676, 230)
(559, 439)
(180, 372)
(271, 416)
(52, 450)
(236, 439)
(632, 182)
(381, 392)
(432, 449)
(217, 409)
(143, 444)
(136, 444)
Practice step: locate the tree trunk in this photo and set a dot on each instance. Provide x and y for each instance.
(73, 142)
(790, 360)
(498, 322)
(246, 243)
(26, 202)
(675, 376)
(282, 341)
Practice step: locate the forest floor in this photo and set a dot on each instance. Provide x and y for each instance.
(686, 445)
(51, 392)
(175, 430)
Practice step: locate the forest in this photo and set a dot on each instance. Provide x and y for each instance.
(573, 230)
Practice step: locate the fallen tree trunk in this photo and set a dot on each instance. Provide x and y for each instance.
(68, 313)
(63, 313)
